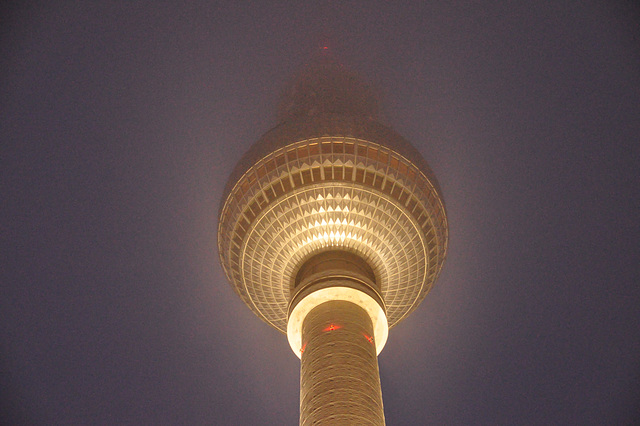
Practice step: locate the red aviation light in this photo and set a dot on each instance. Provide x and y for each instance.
(369, 338)
(332, 327)
(303, 347)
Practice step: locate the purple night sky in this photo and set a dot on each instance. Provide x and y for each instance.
(121, 122)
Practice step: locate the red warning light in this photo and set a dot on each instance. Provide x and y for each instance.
(369, 338)
(303, 347)
(325, 47)
(332, 327)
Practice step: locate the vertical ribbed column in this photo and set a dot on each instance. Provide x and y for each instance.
(339, 378)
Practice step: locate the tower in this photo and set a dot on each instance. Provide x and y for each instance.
(332, 230)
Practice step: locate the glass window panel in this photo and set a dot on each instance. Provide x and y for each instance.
(349, 148)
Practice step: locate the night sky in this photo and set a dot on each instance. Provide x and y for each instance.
(121, 121)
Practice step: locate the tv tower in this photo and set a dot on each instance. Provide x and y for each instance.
(332, 230)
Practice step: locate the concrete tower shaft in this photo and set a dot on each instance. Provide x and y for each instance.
(339, 379)
(342, 324)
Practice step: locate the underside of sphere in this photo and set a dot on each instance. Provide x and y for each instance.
(345, 184)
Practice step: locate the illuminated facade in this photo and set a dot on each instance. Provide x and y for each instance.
(332, 230)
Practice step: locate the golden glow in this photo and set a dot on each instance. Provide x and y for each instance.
(375, 311)
(332, 192)
(294, 227)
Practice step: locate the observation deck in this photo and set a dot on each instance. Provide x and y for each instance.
(330, 176)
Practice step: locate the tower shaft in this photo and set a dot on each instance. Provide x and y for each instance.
(339, 378)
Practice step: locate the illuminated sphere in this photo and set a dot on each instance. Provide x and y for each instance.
(330, 176)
